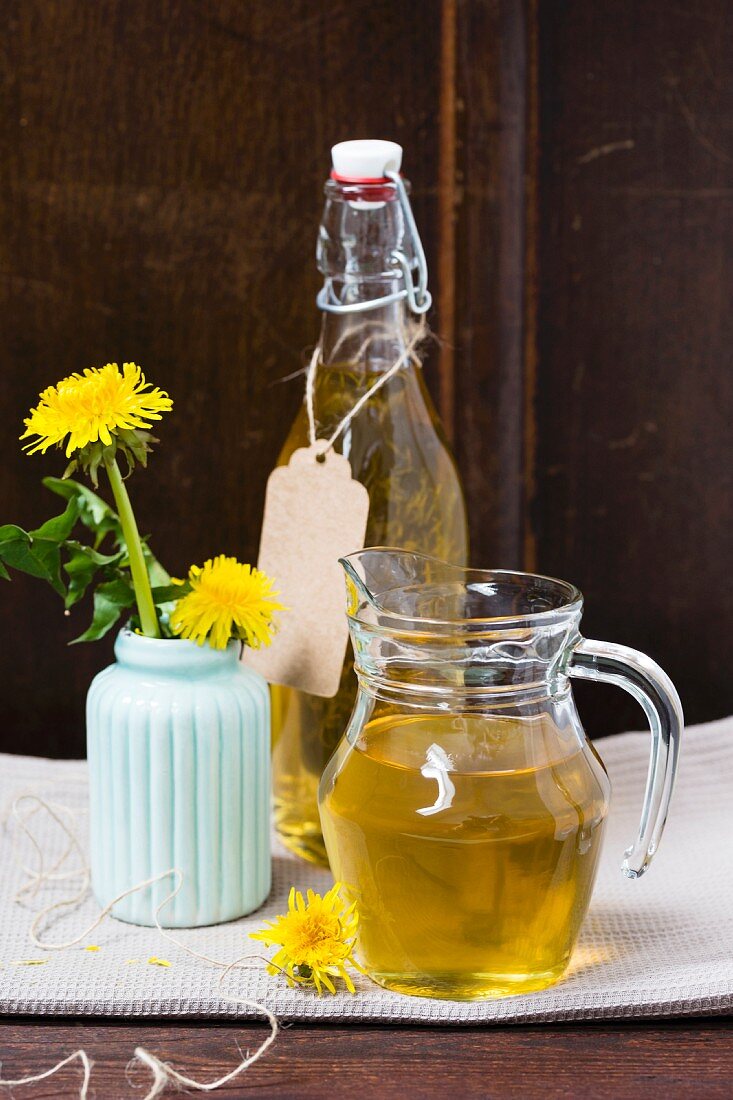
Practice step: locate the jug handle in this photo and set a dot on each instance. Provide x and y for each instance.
(652, 688)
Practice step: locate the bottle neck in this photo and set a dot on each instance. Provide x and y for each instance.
(362, 230)
(372, 339)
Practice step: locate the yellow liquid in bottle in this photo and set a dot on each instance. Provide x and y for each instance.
(470, 883)
(397, 450)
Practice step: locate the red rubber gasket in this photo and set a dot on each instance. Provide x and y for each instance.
(359, 179)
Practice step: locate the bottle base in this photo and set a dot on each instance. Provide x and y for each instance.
(468, 987)
(304, 840)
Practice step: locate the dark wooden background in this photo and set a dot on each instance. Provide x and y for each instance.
(161, 164)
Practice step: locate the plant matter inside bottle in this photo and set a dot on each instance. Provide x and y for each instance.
(397, 450)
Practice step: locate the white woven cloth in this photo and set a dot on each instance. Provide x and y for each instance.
(661, 946)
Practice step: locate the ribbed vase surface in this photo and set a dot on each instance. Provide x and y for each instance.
(178, 739)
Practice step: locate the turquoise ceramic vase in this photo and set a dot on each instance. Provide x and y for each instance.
(178, 738)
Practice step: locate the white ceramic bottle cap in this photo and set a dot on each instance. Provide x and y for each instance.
(365, 160)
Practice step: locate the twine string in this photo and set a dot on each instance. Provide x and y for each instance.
(414, 336)
(40, 875)
(163, 1074)
(37, 877)
(80, 1054)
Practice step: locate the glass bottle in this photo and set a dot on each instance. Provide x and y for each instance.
(368, 249)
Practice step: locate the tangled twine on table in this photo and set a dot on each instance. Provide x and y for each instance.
(163, 1074)
(83, 1058)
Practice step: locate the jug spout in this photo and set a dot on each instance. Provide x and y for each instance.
(388, 580)
(417, 620)
(357, 590)
(386, 584)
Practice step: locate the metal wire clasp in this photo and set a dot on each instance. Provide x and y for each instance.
(417, 294)
(418, 297)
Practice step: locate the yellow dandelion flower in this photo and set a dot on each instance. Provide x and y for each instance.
(226, 600)
(93, 406)
(316, 940)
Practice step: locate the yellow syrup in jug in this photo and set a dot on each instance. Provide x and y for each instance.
(470, 844)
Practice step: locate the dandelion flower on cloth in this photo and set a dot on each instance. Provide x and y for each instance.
(94, 406)
(316, 940)
(226, 599)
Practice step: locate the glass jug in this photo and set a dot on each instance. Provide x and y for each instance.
(464, 808)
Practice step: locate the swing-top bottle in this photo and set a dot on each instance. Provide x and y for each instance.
(374, 300)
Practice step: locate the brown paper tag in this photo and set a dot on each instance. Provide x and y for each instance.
(315, 513)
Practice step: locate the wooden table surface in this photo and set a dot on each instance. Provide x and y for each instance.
(666, 1060)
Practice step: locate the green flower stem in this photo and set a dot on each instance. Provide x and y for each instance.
(138, 568)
